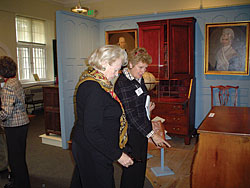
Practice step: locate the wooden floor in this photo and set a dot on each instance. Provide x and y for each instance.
(178, 158)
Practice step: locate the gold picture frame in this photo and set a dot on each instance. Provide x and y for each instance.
(227, 48)
(127, 39)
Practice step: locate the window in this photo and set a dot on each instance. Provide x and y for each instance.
(31, 48)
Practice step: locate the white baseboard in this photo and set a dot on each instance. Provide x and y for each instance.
(52, 139)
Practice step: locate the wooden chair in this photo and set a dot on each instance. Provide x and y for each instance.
(33, 97)
(224, 94)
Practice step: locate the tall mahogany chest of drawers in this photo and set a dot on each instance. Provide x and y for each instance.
(170, 42)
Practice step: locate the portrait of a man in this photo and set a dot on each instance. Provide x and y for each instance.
(126, 39)
(122, 42)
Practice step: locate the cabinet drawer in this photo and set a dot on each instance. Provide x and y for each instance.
(163, 108)
(176, 129)
(175, 119)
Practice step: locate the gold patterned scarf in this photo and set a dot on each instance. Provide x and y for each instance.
(92, 74)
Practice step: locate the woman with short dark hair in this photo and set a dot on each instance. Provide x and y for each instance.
(15, 122)
(8, 67)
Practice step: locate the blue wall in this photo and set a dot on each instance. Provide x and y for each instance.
(228, 14)
(78, 35)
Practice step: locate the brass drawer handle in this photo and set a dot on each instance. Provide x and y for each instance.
(176, 107)
(176, 129)
(176, 119)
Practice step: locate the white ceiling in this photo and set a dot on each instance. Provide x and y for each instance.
(73, 2)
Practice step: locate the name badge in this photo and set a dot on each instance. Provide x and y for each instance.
(139, 91)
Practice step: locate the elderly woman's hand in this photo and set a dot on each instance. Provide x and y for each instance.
(125, 160)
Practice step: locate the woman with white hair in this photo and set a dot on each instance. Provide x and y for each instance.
(226, 56)
(100, 133)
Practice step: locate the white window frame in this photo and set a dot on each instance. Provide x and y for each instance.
(31, 46)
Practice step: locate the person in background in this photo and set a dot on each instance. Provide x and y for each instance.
(100, 132)
(3, 153)
(15, 122)
(131, 90)
(3, 147)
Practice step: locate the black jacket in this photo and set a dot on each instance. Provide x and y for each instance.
(98, 121)
(139, 126)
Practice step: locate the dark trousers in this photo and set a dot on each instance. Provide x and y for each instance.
(92, 169)
(16, 145)
(134, 176)
(3, 151)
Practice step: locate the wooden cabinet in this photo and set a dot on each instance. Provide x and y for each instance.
(171, 45)
(51, 110)
(151, 37)
(181, 48)
(174, 101)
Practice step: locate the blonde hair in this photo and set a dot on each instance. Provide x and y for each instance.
(137, 55)
(107, 53)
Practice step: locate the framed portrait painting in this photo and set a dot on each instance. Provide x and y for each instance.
(126, 39)
(227, 48)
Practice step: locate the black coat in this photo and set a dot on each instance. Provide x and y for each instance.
(95, 137)
(98, 123)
